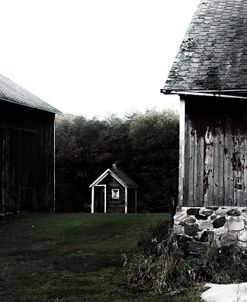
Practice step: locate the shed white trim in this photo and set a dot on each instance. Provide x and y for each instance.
(103, 175)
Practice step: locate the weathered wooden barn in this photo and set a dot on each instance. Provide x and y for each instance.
(114, 192)
(26, 150)
(210, 76)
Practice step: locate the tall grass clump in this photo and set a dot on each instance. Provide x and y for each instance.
(159, 264)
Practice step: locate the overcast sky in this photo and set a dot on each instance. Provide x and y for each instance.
(93, 57)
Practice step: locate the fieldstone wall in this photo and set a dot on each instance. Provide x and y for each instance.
(197, 228)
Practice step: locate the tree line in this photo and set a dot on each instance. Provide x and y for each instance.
(144, 145)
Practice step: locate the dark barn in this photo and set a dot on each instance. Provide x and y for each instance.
(26, 150)
(114, 192)
(210, 76)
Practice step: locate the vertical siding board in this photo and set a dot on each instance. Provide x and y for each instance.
(200, 169)
(191, 164)
(186, 165)
(244, 202)
(209, 169)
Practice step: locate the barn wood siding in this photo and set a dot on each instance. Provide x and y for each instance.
(215, 162)
(26, 158)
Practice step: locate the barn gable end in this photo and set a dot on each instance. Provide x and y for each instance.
(26, 150)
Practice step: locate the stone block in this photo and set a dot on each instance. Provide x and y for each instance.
(207, 212)
(219, 222)
(229, 240)
(193, 211)
(236, 224)
(191, 229)
(242, 235)
(233, 212)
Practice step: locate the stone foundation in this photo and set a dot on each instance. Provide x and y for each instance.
(197, 228)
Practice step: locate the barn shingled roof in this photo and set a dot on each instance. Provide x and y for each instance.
(213, 54)
(13, 93)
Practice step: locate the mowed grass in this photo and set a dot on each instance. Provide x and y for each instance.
(72, 257)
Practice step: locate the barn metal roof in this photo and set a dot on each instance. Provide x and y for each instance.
(13, 93)
(213, 54)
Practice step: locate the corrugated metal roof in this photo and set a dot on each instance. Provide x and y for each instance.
(13, 93)
(213, 54)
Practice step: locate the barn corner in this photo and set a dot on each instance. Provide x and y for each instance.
(209, 75)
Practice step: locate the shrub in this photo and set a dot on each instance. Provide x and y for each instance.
(159, 264)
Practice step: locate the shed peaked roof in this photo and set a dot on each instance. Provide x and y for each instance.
(119, 175)
(213, 54)
(13, 93)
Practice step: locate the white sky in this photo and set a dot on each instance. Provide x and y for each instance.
(93, 57)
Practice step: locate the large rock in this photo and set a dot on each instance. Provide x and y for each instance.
(207, 212)
(242, 236)
(219, 222)
(233, 212)
(191, 229)
(193, 211)
(235, 224)
(190, 220)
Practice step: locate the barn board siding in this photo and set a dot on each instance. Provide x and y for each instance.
(215, 152)
(27, 158)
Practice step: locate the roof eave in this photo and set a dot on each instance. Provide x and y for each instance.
(210, 93)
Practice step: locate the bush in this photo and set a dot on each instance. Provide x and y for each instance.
(159, 264)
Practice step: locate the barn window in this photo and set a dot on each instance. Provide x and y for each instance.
(115, 193)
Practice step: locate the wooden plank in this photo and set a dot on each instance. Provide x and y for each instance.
(208, 168)
(191, 153)
(200, 169)
(181, 151)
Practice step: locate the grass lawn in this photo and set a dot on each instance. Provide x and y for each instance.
(72, 257)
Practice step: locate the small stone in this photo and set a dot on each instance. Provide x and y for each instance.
(242, 235)
(196, 247)
(193, 211)
(233, 212)
(235, 224)
(219, 222)
(229, 240)
(244, 210)
(191, 229)
(207, 212)
(189, 220)
(201, 217)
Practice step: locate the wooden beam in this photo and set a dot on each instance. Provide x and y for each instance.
(126, 201)
(181, 151)
(92, 200)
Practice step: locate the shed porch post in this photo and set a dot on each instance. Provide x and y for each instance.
(126, 201)
(92, 200)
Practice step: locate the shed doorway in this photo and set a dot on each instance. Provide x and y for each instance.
(100, 199)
